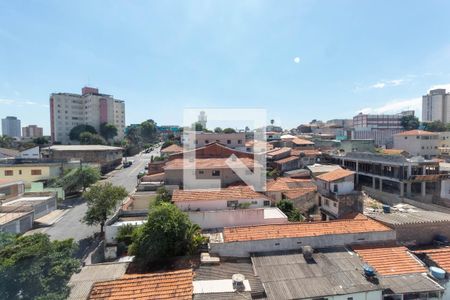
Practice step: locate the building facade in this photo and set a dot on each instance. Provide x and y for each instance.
(231, 140)
(32, 131)
(379, 128)
(11, 127)
(90, 108)
(435, 106)
(418, 142)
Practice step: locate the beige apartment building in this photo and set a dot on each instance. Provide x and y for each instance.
(32, 131)
(435, 106)
(68, 110)
(418, 142)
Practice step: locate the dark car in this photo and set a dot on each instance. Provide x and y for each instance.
(127, 164)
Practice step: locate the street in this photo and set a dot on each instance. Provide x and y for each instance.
(70, 225)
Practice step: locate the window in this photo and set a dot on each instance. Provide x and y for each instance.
(20, 172)
(215, 173)
(254, 202)
(266, 202)
(327, 202)
(232, 203)
(334, 204)
(335, 188)
(36, 172)
(201, 172)
(9, 172)
(350, 298)
(206, 141)
(228, 142)
(239, 141)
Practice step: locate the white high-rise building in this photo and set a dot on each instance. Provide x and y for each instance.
(202, 119)
(436, 106)
(90, 108)
(11, 127)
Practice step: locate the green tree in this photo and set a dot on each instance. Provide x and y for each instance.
(197, 126)
(33, 267)
(6, 141)
(167, 144)
(435, 126)
(78, 178)
(218, 130)
(77, 130)
(108, 131)
(410, 122)
(287, 207)
(168, 232)
(148, 130)
(101, 201)
(229, 130)
(162, 195)
(40, 141)
(87, 138)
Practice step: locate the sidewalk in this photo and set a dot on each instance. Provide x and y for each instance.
(51, 218)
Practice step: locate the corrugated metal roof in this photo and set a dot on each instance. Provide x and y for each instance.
(333, 271)
(81, 283)
(411, 283)
(410, 217)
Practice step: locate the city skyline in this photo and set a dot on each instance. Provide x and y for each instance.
(320, 60)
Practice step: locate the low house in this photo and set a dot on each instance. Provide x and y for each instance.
(337, 196)
(329, 273)
(418, 142)
(413, 225)
(206, 169)
(10, 189)
(307, 157)
(172, 149)
(226, 198)
(401, 274)
(302, 192)
(107, 157)
(162, 285)
(241, 241)
(30, 171)
(318, 169)
(16, 219)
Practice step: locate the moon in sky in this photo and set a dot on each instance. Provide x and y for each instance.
(297, 60)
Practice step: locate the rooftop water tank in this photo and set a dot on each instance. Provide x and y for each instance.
(238, 281)
(368, 271)
(437, 273)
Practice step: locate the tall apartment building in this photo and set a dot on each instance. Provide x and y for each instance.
(379, 128)
(435, 106)
(68, 110)
(32, 131)
(11, 127)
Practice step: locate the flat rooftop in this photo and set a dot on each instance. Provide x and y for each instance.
(9, 217)
(82, 148)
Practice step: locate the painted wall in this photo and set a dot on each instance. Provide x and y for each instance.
(244, 248)
(206, 205)
(227, 218)
(23, 172)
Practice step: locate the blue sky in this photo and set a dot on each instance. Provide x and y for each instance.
(163, 56)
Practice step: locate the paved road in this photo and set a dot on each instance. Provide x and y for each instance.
(70, 226)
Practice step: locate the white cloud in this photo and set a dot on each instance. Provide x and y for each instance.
(441, 86)
(6, 101)
(297, 59)
(395, 106)
(387, 83)
(20, 103)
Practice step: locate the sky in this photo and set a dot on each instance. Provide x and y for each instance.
(299, 60)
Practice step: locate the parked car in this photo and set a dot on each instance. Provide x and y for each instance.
(127, 164)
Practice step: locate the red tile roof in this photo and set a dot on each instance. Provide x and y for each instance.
(205, 163)
(174, 148)
(390, 260)
(278, 151)
(416, 132)
(302, 229)
(335, 175)
(298, 192)
(441, 256)
(231, 193)
(165, 285)
(286, 160)
(284, 184)
(308, 152)
(299, 141)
